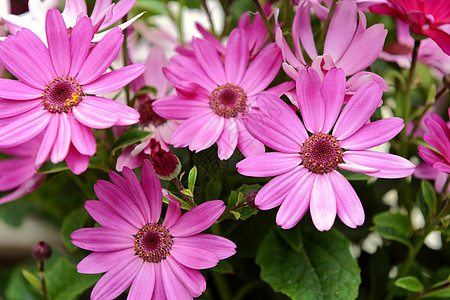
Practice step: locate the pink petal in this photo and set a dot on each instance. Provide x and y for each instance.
(192, 279)
(62, 141)
(188, 70)
(296, 202)
(236, 57)
(349, 208)
(373, 134)
(358, 110)
(152, 189)
(72, 9)
(11, 108)
(268, 164)
(77, 162)
(425, 171)
(89, 114)
(310, 100)
(15, 172)
(158, 292)
(442, 167)
(276, 190)
(323, 203)
(107, 216)
(114, 80)
(286, 52)
(390, 166)
(429, 156)
(80, 42)
(438, 137)
(130, 161)
(193, 257)
(153, 74)
(173, 288)
(102, 239)
(25, 189)
(198, 219)
(117, 280)
(137, 194)
(227, 141)
(101, 57)
(183, 135)
(173, 211)
(99, 262)
(16, 90)
(220, 246)
(208, 133)
(58, 42)
(82, 137)
(180, 108)
(144, 282)
(210, 61)
(441, 38)
(48, 140)
(247, 144)
(302, 31)
(333, 92)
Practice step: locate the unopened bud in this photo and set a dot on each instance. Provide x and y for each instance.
(41, 251)
(166, 165)
(447, 81)
(250, 199)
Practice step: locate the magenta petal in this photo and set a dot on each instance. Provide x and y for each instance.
(198, 219)
(220, 246)
(101, 57)
(80, 42)
(62, 141)
(144, 282)
(208, 133)
(296, 202)
(349, 207)
(180, 108)
(138, 195)
(16, 90)
(358, 110)
(193, 257)
(102, 239)
(173, 288)
(247, 144)
(48, 140)
(236, 56)
(227, 141)
(114, 80)
(106, 216)
(429, 156)
(76, 161)
(193, 280)
(89, 114)
(310, 100)
(117, 280)
(11, 108)
(82, 137)
(302, 31)
(130, 161)
(158, 292)
(173, 211)
(442, 167)
(210, 61)
(441, 38)
(373, 134)
(99, 262)
(323, 203)
(333, 92)
(275, 191)
(183, 135)
(439, 136)
(26, 188)
(268, 164)
(15, 171)
(152, 189)
(390, 165)
(58, 42)
(127, 115)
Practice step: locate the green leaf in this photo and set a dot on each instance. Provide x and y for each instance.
(19, 288)
(76, 219)
(393, 226)
(409, 283)
(429, 196)
(184, 205)
(234, 197)
(192, 178)
(50, 167)
(315, 265)
(128, 138)
(223, 267)
(245, 212)
(236, 214)
(355, 176)
(32, 279)
(64, 282)
(441, 293)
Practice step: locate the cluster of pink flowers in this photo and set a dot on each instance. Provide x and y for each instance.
(210, 93)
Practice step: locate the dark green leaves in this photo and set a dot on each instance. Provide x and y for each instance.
(393, 226)
(309, 264)
(429, 195)
(409, 283)
(130, 137)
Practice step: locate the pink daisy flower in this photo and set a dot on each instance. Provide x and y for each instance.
(158, 260)
(425, 171)
(439, 138)
(214, 95)
(306, 165)
(53, 93)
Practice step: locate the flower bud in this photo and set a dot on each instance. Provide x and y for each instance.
(165, 164)
(250, 199)
(41, 251)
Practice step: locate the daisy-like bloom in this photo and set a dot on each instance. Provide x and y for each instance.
(161, 129)
(103, 15)
(19, 172)
(425, 171)
(306, 164)
(321, 7)
(425, 17)
(54, 92)
(439, 138)
(158, 260)
(214, 95)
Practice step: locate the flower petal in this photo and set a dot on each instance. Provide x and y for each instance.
(268, 164)
(80, 42)
(16, 90)
(247, 144)
(152, 189)
(11, 108)
(193, 280)
(333, 92)
(227, 141)
(58, 42)
(102, 239)
(105, 215)
(180, 108)
(77, 162)
(173, 288)
(173, 211)
(62, 141)
(99, 262)
(323, 203)
(48, 140)
(193, 257)
(208, 133)
(137, 194)
(144, 282)
(209, 60)
(82, 137)
(236, 56)
(220, 246)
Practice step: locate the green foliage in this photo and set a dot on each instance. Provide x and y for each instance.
(429, 196)
(192, 178)
(307, 264)
(409, 283)
(77, 219)
(393, 226)
(130, 137)
(50, 167)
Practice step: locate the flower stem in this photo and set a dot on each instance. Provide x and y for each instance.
(407, 100)
(180, 188)
(42, 276)
(125, 57)
(205, 7)
(321, 41)
(287, 12)
(430, 290)
(265, 19)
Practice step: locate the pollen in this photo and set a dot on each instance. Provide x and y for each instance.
(228, 100)
(61, 94)
(153, 243)
(321, 153)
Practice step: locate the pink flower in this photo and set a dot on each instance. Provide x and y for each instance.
(306, 165)
(214, 95)
(424, 17)
(159, 261)
(439, 138)
(425, 171)
(322, 11)
(160, 127)
(19, 172)
(51, 93)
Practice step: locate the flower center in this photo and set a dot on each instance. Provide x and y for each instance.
(321, 153)
(148, 115)
(228, 100)
(61, 94)
(153, 242)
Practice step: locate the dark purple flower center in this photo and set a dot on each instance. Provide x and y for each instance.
(61, 94)
(228, 100)
(153, 242)
(321, 153)
(148, 115)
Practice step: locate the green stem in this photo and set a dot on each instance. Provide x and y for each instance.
(430, 290)
(42, 276)
(205, 7)
(222, 286)
(265, 19)
(189, 200)
(287, 13)
(321, 41)
(125, 57)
